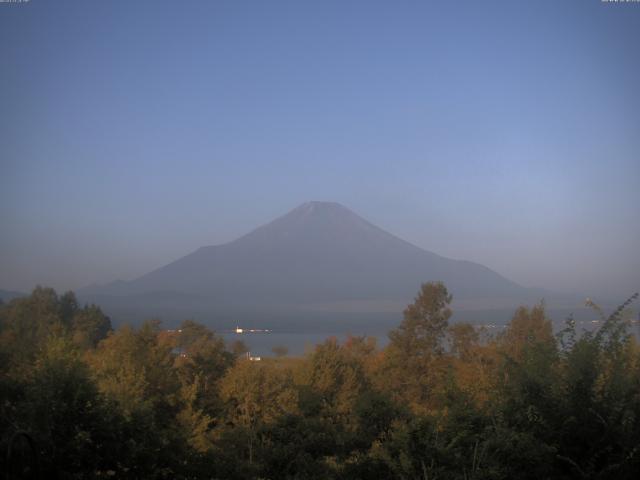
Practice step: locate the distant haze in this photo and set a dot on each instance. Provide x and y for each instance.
(503, 133)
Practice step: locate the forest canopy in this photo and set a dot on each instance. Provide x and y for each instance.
(79, 399)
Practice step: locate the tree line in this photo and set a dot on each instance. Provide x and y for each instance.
(79, 399)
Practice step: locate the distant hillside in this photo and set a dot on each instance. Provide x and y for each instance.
(319, 257)
(7, 295)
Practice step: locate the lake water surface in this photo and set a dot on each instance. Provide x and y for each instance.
(300, 340)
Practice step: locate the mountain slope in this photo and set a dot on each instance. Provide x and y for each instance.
(319, 253)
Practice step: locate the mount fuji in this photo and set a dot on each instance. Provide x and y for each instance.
(319, 257)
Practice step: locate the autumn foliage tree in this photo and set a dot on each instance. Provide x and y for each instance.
(412, 360)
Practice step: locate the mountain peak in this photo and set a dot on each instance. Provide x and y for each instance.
(317, 216)
(321, 204)
(316, 206)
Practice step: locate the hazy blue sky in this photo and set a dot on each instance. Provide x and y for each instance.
(504, 132)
